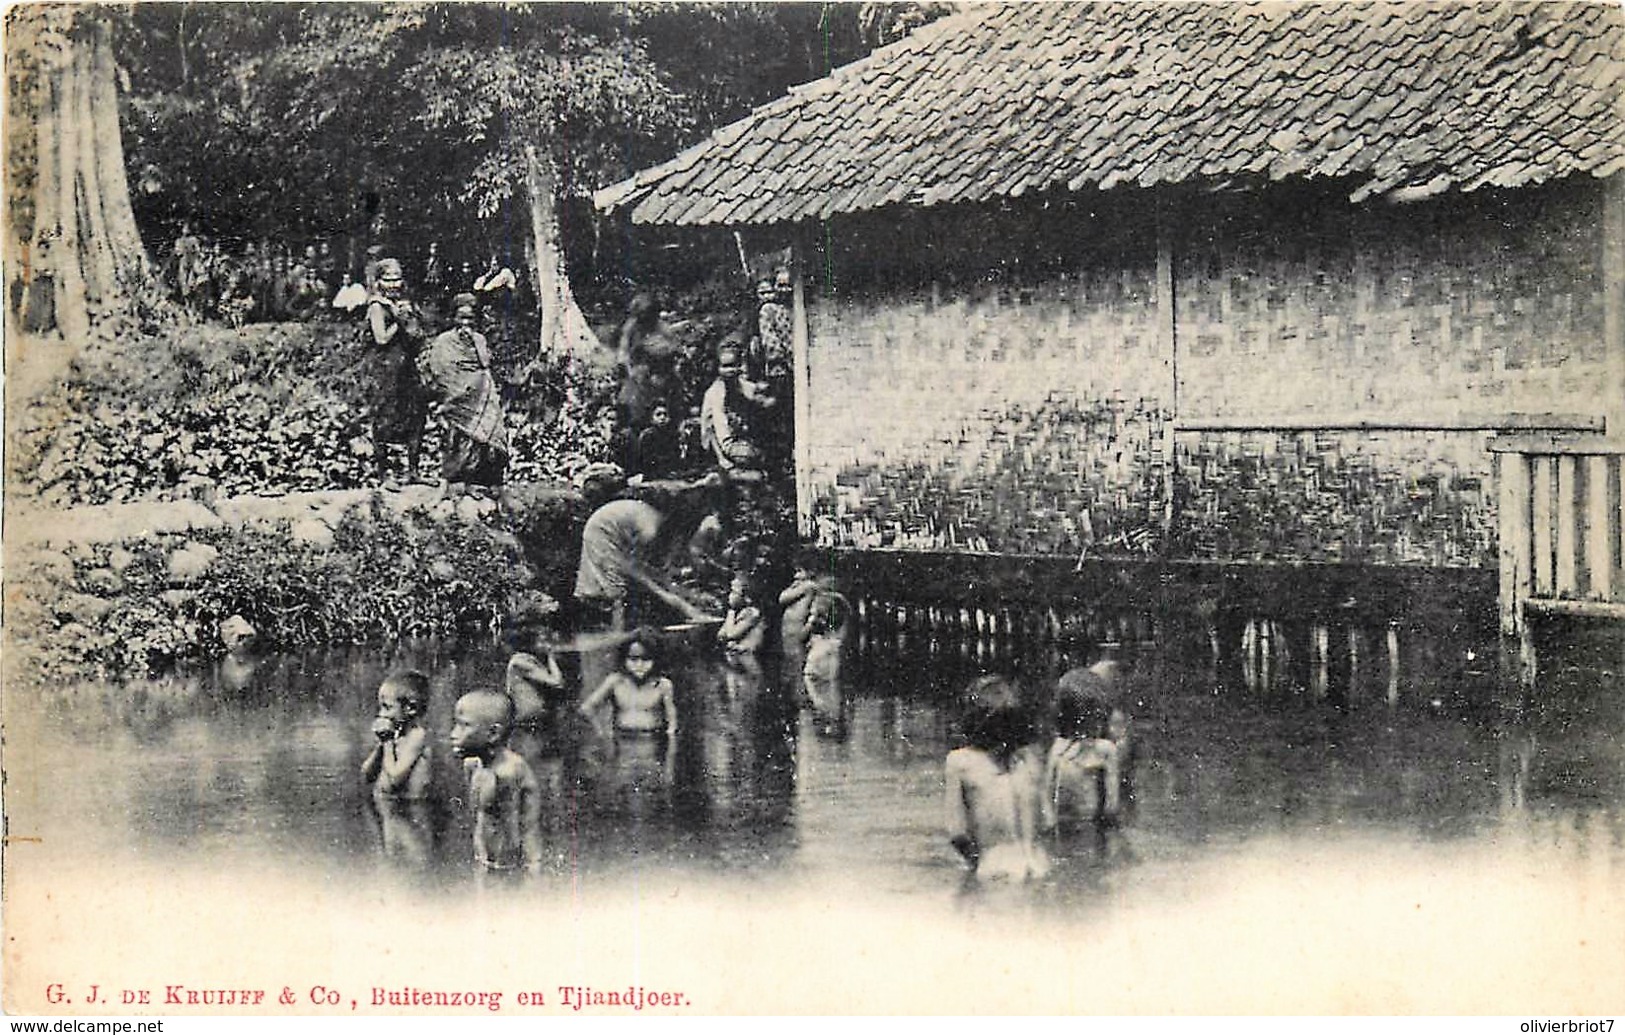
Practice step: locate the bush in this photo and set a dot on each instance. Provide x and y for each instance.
(384, 578)
(274, 408)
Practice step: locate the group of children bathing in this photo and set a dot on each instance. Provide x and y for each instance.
(1003, 795)
(634, 701)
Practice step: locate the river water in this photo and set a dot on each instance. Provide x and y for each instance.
(1381, 844)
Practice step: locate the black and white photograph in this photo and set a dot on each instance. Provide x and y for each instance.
(672, 509)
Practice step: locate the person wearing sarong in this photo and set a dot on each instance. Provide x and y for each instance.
(456, 370)
(647, 354)
(399, 405)
(627, 542)
(191, 273)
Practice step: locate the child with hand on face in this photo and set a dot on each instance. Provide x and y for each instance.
(534, 680)
(797, 603)
(399, 765)
(743, 630)
(503, 789)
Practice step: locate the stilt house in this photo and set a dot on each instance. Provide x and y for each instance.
(1225, 282)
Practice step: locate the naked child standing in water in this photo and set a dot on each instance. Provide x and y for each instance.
(642, 700)
(503, 790)
(993, 786)
(399, 765)
(400, 768)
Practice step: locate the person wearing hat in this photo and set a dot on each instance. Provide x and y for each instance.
(456, 371)
(400, 405)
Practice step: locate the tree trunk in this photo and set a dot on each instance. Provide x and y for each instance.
(564, 328)
(85, 261)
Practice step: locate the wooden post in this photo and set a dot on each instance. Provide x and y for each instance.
(1266, 645)
(1320, 661)
(1542, 475)
(1355, 638)
(1568, 584)
(1612, 395)
(1168, 348)
(1516, 570)
(1392, 644)
(1619, 498)
(1599, 547)
(1613, 281)
(801, 357)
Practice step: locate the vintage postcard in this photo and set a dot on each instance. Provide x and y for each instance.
(625, 509)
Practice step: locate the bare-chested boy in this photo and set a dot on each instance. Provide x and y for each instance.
(534, 681)
(399, 766)
(506, 797)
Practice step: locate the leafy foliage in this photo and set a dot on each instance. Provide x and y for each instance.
(277, 408)
(384, 578)
(276, 119)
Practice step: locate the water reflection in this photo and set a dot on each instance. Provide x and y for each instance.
(1288, 733)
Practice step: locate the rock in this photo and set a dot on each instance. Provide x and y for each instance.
(199, 489)
(178, 598)
(102, 582)
(119, 559)
(53, 565)
(188, 564)
(236, 633)
(470, 509)
(314, 532)
(412, 497)
(80, 553)
(75, 632)
(113, 523)
(81, 607)
(332, 511)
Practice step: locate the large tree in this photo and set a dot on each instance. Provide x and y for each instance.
(73, 246)
(485, 120)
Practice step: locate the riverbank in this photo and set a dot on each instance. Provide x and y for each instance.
(132, 589)
(159, 485)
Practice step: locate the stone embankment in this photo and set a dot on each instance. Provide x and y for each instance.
(125, 587)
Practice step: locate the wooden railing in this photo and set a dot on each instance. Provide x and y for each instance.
(1560, 523)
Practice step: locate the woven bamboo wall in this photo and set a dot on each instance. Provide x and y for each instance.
(1444, 307)
(1020, 407)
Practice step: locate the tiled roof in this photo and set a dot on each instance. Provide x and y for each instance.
(1008, 99)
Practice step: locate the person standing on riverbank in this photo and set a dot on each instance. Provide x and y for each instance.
(456, 372)
(399, 404)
